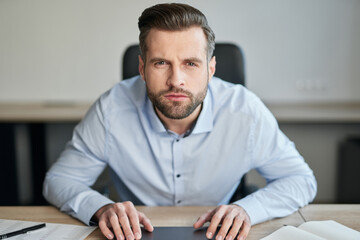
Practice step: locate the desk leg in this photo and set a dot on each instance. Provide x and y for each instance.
(38, 159)
(8, 170)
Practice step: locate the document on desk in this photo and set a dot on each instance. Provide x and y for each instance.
(315, 230)
(52, 231)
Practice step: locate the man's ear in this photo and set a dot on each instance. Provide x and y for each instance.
(212, 67)
(141, 68)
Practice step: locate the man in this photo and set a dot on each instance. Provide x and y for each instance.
(176, 135)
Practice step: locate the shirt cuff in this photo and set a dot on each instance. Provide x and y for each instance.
(89, 207)
(253, 208)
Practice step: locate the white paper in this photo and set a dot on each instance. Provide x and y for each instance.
(315, 230)
(330, 230)
(293, 233)
(52, 231)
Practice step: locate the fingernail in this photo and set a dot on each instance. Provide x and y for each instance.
(129, 237)
(219, 237)
(229, 238)
(109, 236)
(137, 236)
(209, 235)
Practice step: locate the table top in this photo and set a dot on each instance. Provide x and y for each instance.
(42, 112)
(348, 215)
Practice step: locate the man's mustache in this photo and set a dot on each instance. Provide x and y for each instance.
(175, 90)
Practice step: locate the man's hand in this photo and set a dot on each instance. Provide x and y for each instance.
(228, 216)
(124, 220)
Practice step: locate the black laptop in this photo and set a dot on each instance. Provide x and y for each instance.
(175, 233)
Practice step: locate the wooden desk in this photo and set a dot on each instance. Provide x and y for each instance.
(159, 216)
(186, 216)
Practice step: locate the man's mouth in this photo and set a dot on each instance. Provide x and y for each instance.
(176, 96)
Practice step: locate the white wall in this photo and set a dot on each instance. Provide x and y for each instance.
(297, 51)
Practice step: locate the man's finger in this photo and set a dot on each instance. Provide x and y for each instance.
(105, 230)
(238, 221)
(245, 228)
(215, 221)
(206, 217)
(134, 221)
(226, 224)
(114, 221)
(146, 222)
(125, 225)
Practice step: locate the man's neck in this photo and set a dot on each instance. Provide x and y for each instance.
(179, 126)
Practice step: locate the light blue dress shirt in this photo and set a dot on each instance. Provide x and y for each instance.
(150, 165)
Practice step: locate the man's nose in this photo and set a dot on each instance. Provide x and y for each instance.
(176, 77)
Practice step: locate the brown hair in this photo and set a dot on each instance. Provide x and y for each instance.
(173, 17)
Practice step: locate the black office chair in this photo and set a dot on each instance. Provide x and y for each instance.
(230, 67)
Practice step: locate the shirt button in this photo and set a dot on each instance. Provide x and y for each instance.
(179, 201)
(178, 175)
(177, 140)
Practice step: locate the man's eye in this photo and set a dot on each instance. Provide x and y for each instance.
(191, 64)
(160, 63)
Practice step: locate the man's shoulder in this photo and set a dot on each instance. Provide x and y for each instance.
(126, 94)
(231, 100)
(221, 87)
(129, 89)
(230, 95)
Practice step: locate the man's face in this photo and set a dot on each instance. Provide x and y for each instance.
(176, 71)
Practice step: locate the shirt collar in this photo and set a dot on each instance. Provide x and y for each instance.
(203, 124)
(205, 120)
(155, 122)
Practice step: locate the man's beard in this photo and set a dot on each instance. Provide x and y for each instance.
(176, 109)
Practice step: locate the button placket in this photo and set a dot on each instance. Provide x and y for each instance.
(178, 163)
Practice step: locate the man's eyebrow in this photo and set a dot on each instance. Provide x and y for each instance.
(193, 59)
(190, 59)
(156, 59)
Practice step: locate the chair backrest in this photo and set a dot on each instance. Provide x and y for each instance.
(230, 64)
